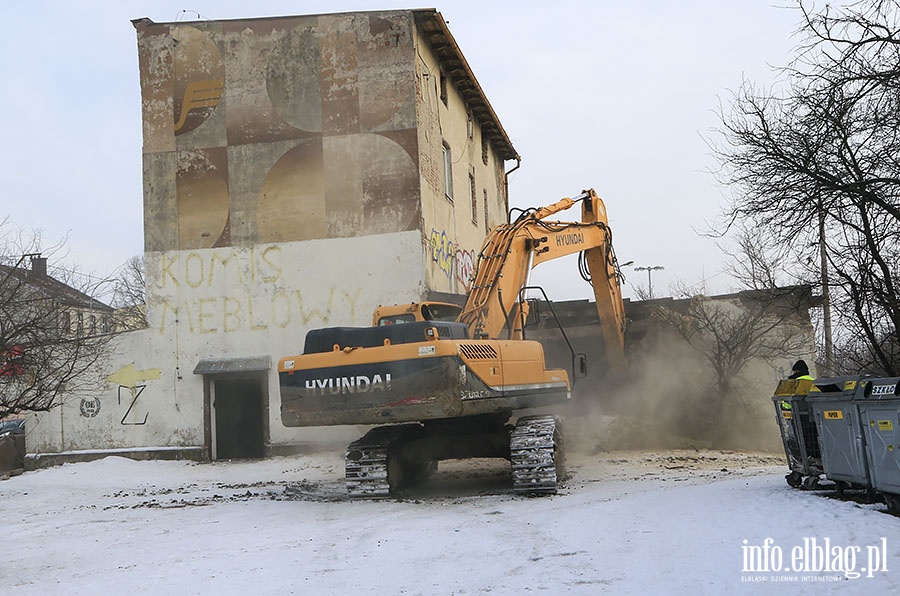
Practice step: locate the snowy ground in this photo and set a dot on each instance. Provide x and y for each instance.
(677, 522)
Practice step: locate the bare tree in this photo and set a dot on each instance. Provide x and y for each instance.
(754, 325)
(51, 335)
(817, 168)
(130, 295)
(757, 263)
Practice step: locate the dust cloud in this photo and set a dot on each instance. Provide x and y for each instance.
(668, 400)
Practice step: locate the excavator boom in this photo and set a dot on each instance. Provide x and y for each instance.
(511, 250)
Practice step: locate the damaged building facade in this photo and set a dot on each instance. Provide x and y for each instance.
(298, 172)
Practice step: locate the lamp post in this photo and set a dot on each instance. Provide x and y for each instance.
(649, 279)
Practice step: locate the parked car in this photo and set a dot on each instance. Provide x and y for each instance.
(12, 427)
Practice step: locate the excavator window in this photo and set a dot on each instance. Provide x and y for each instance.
(441, 312)
(396, 319)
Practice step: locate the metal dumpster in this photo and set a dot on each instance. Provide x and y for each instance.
(880, 416)
(798, 432)
(833, 402)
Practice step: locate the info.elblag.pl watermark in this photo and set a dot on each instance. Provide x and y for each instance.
(815, 559)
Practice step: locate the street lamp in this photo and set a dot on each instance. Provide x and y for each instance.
(649, 279)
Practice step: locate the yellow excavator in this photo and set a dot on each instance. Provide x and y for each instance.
(442, 381)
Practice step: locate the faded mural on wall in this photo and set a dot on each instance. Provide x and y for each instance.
(278, 130)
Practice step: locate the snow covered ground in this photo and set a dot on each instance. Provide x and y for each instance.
(675, 522)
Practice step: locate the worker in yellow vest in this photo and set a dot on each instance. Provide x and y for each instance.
(799, 371)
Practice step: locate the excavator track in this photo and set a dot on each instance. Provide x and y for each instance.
(367, 459)
(537, 455)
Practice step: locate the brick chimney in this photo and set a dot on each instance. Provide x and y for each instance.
(39, 266)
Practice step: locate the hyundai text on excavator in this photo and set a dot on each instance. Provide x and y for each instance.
(444, 382)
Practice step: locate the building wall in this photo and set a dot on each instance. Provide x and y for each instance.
(215, 304)
(289, 183)
(453, 228)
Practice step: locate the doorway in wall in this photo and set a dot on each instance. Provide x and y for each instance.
(238, 416)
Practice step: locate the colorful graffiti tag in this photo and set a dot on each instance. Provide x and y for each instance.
(442, 251)
(453, 260)
(465, 268)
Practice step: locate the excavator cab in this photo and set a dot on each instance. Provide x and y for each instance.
(415, 312)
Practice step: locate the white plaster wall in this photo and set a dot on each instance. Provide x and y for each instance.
(227, 303)
(135, 405)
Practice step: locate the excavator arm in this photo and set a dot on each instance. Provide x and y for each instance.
(511, 250)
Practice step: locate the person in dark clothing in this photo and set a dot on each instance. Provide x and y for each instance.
(800, 371)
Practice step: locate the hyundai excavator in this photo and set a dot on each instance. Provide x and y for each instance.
(442, 382)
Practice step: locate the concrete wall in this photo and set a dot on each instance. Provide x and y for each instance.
(220, 304)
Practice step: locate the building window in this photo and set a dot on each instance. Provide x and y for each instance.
(484, 147)
(443, 87)
(448, 172)
(487, 225)
(470, 126)
(473, 198)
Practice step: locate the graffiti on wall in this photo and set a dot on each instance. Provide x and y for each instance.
(131, 384)
(442, 251)
(465, 268)
(255, 299)
(455, 262)
(204, 269)
(89, 407)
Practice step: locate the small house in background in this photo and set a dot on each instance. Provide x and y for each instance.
(38, 311)
(77, 314)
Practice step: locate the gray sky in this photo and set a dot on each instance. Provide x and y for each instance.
(607, 94)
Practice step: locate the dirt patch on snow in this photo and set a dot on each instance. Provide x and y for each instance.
(319, 478)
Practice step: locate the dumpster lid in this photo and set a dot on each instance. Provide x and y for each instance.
(832, 386)
(792, 387)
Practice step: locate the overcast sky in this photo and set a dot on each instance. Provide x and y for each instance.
(612, 95)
